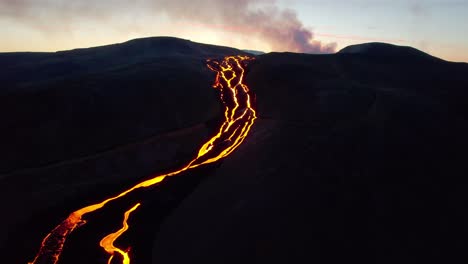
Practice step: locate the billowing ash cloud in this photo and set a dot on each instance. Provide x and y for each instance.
(280, 28)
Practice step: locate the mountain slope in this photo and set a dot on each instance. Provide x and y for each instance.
(385, 50)
(355, 156)
(352, 158)
(68, 104)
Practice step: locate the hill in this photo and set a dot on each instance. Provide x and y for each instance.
(384, 50)
(357, 155)
(354, 157)
(70, 104)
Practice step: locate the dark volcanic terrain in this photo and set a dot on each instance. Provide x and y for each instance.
(358, 156)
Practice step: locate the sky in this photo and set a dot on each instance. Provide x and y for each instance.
(438, 27)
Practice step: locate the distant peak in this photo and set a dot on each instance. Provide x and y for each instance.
(155, 47)
(378, 49)
(254, 52)
(158, 38)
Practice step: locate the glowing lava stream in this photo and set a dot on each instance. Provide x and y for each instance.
(107, 243)
(239, 117)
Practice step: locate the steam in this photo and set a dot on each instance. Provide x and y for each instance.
(280, 28)
(262, 19)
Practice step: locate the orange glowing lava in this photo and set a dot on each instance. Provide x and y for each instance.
(107, 243)
(239, 117)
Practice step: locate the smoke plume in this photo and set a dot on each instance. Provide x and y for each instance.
(262, 19)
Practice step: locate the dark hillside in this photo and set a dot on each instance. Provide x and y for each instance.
(358, 156)
(353, 159)
(78, 125)
(68, 104)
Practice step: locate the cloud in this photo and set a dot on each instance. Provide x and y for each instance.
(281, 29)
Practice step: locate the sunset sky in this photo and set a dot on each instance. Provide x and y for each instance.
(437, 27)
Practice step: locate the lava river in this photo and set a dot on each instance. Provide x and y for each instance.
(239, 116)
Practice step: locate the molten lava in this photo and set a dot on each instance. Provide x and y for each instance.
(239, 116)
(107, 243)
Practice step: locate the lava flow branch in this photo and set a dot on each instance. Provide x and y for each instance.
(239, 116)
(107, 243)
